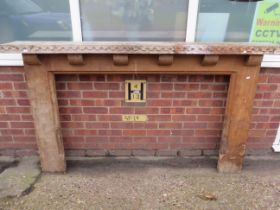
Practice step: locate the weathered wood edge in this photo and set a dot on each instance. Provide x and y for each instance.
(138, 48)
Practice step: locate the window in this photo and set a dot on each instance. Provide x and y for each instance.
(225, 21)
(141, 20)
(134, 20)
(34, 20)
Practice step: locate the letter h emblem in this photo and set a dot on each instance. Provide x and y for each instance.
(135, 90)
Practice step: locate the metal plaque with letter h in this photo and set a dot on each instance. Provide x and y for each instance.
(135, 91)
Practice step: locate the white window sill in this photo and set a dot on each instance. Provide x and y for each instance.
(14, 59)
(271, 61)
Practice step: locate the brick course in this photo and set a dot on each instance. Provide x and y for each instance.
(16, 122)
(266, 112)
(182, 111)
(185, 114)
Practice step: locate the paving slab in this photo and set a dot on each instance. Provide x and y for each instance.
(6, 162)
(18, 179)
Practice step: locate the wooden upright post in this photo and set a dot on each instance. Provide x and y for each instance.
(42, 94)
(241, 95)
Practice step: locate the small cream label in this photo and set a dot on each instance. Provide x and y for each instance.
(134, 118)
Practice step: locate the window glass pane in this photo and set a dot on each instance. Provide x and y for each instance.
(238, 21)
(134, 20)
(34, 20)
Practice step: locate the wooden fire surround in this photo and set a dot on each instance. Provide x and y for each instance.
(43, 60)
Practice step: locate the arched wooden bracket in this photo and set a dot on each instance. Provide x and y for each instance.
(75, 59)
(31, 59)
(165, 60)
(210, 60)
(254, 60)
(120, 60)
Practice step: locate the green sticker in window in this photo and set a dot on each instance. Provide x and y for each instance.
(266, 26)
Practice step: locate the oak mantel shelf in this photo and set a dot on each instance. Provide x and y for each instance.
(138, 48)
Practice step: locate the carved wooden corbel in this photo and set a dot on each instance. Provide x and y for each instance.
(165, 60)
(210, 60)
(31, 59)
(253, 60)
(75, 59)
(120, 60)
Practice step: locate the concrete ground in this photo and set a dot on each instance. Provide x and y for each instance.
(18, 176)
(154, 183)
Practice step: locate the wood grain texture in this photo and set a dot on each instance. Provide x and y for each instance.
(241, 95)
(42, 95)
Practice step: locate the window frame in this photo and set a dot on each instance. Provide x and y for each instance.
(269, 61)
(76, 20)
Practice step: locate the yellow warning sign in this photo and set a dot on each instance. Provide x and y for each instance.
(266, 26)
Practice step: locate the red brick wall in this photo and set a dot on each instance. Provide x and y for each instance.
(185, 112)
(16, 122)
(266, 112)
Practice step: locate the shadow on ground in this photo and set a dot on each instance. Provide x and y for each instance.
(255, 164)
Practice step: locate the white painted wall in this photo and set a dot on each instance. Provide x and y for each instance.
(11, 59)
(276, 144)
